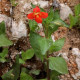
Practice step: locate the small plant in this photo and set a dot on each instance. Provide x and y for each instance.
(13, 3)
(42, 47)
(4, 41)
(75, 20)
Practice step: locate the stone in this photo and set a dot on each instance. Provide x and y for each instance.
(43, 4)
(65, 10)
(18, 29)
(6, 19)
(76, 52)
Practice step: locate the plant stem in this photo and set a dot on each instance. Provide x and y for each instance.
(48, 71)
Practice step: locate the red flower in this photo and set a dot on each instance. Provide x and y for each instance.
(37, 15)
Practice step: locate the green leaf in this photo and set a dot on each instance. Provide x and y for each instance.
(14, 73)
(53, 21)
(54, 75)
(58, 64)
(4, 53)
(51, 29)
(40, 56)
(56, 15)
(57, 45)
(21, 61)
(25, 70)
(2, 27)
(38, 43)
(60, 22)
(55, 78)
(42, 10)
(24, 76)
(77, 10)
(35, 72)
(50, 17)
(13, 3)
(4, 41)
(2, 60)
(53, 15)
(73, 20)
(33, 5)
(28, 54)
(8, 76)
(16, 68)
(33, 25)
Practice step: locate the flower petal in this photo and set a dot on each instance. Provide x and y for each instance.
(30, 16)
(36, 9)
(44, 15)
(38, 19)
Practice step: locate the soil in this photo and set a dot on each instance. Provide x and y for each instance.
(5, 7)
(72, 41)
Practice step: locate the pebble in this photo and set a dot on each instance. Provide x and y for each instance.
(65, 10)
(43, 4)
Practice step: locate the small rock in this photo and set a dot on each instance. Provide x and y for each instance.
(18, 30)
(53, 38)
(6, 19)
(65, 10)
(40, 25)
(55, 4)
(26, 5)
(65, 56)
(43, 4)
(76, 51)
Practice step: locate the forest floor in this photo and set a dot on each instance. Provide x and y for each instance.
(70, 51)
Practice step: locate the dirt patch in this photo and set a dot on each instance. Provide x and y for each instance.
(70, 2)
(72, 39)
(5, 7)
